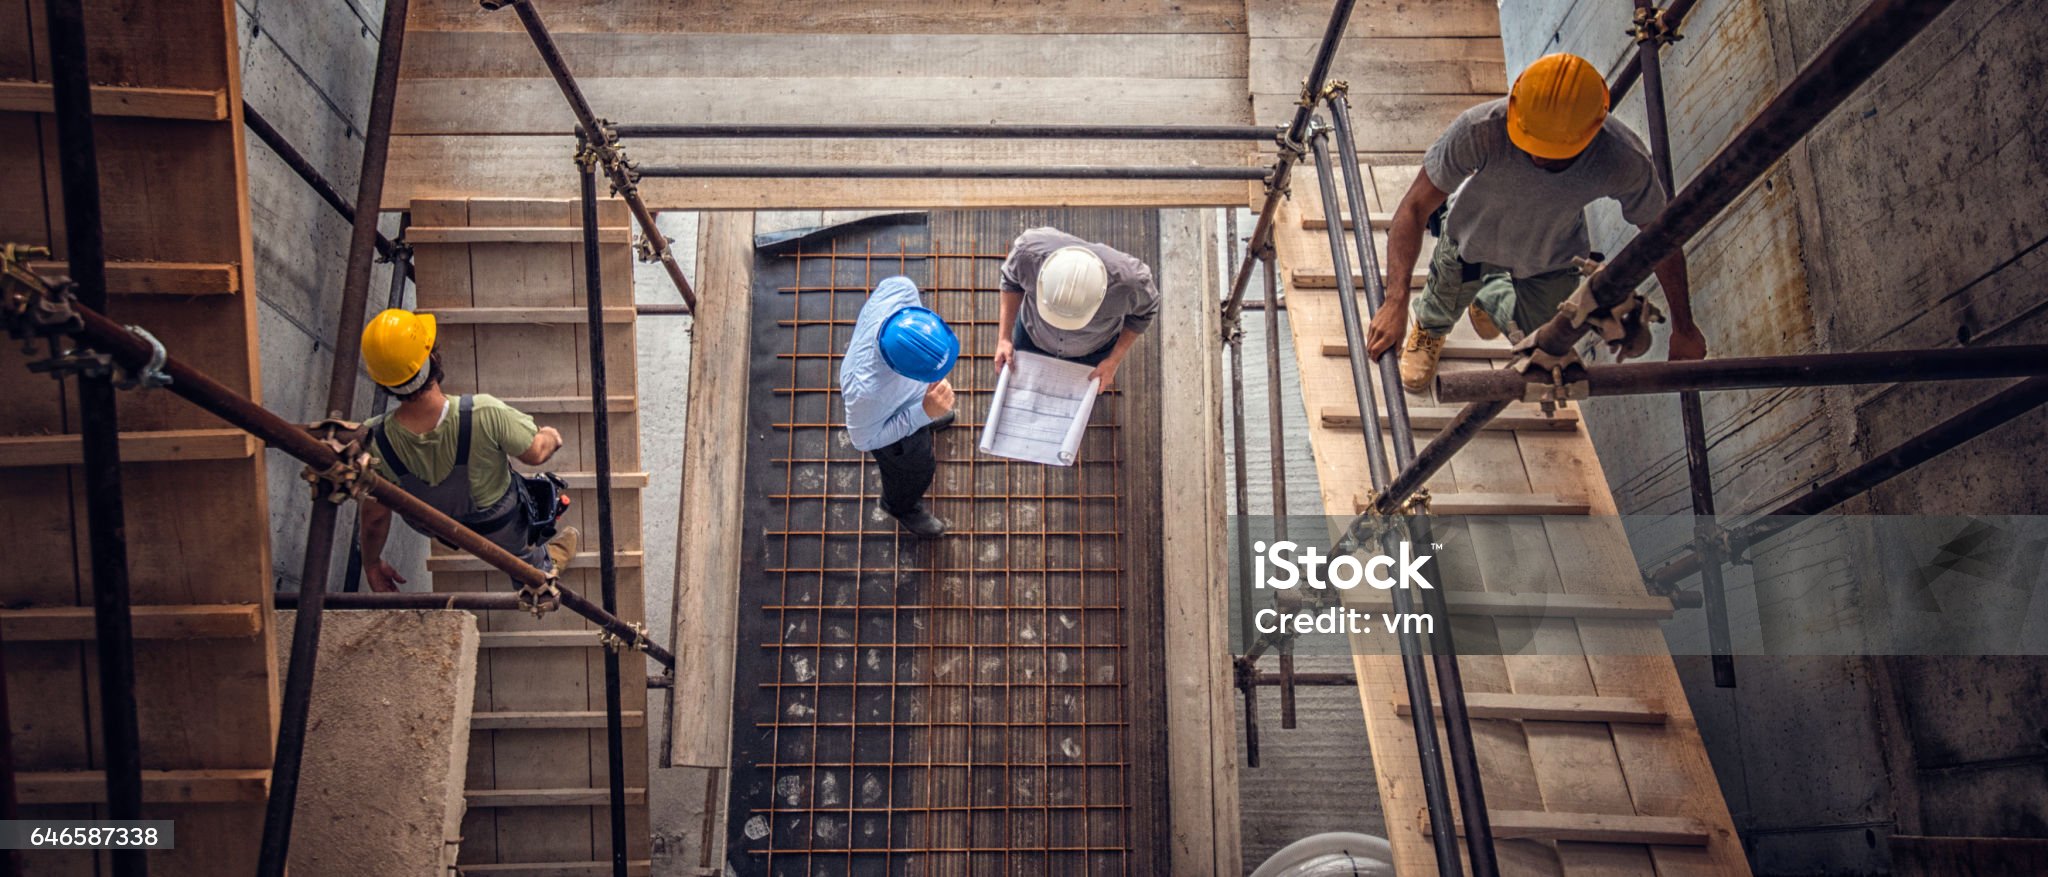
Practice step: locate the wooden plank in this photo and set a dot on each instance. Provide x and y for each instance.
(641, 868)
(158, 786)
(156, 446)
(466, 563)
(1597, 828)
(1308, 278)
(1559, 708)
(510, 235)
(571, 797)
(75, 623)
(535, 719)
(499, 316)
(1532, 605)
(614, 404)
(620, 480)
(188, 104)
(1454, 348)
(889, 16)
(1313, 218)
(538, 639)
(1382, 122)
(1375, 18)
(1433, 418)
(1450, 504)
(709, 524)
(159, 278)
(1405, 65)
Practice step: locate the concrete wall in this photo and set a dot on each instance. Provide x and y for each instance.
(1895, 226)
(307, 68)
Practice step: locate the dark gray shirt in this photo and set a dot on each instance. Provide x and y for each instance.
(1130, 302)
(1508, 212)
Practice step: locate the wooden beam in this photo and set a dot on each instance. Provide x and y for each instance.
(537, 639)
(516, 316)
(568, 404)
(1444, 504)
(466, 563)
(1434, 418)
(167, 445)
(1455, 348)
(544, 719)
(158, 786)
(188, 104)
(1508, 605)
(1555, 708)
(159, 278)
(1609, 828)
(549, 797)
(1316, 221)
(1317, 278)
(620, 480)
(75, 623)
(512, 235)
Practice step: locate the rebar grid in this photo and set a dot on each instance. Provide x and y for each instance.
(948, 707)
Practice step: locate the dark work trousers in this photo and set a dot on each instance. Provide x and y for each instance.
(907, 468)
(1021, 340)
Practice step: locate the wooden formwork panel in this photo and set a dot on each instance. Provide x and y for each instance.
(174, 191)
(536, 760)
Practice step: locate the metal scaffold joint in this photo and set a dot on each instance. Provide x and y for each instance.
(36, 308)
(1654, 27)
(543, 598)
(618, 643)
(347, 477)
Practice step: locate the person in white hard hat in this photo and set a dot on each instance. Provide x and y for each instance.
(1078, 301)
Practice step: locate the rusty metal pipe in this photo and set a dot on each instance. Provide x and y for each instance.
(1625, 77)
(1758, 372)
(949, 172)
(948, 132)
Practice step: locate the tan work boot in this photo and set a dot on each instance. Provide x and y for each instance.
(1483, 323)
(1418, 359)
(562, 548)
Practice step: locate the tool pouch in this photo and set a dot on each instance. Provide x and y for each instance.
(543, 499)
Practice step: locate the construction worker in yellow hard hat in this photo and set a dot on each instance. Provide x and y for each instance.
(1505, 191)
(456, 454)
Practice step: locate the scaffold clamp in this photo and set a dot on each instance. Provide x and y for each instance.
(543, 598)
(348, 476)
(616, 643)
(151, 375)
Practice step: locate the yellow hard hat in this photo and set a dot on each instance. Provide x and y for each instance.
(1557, 106)
(396, 344)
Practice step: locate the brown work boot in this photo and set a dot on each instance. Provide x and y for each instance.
(1418, 359)
(562, 548)
(1483, 323)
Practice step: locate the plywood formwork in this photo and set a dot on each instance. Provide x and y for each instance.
(537, 766)
(174, 190)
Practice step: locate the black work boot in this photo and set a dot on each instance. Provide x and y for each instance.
(921, 523)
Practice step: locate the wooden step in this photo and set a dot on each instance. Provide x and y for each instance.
(1608, 828)
(1495, 504)
(575, 797)
(536, 719)
(158, 786)
(1554, 708)
(641, 868)
(1509, 605)
(471, 234)
(538, 639)
(1431, 418)
(1455, 348)
(516, 316)
(75, 623)
(466, 563)
(1319, 278)
(186, 104)
(568, 404)
(1318, 222)
(158, 278)
(620, 480)
(136, 447)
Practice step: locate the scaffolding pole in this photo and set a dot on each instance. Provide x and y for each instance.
(1767, 372)
(1667, 21)
(623, 175)
(607, 555)
(401, 269)
(949, 172)
(99, 425)
(946, 132)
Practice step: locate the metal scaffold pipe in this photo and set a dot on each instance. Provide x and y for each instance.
(947, 132)
(1762, 372)
(948, 172)
(1668, 21)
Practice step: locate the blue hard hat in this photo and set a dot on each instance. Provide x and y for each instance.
(918, 344)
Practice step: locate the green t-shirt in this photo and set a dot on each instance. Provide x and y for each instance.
(497, 431)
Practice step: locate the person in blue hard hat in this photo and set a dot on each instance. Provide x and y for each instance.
(893, 382)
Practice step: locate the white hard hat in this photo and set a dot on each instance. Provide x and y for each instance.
(1071, 284)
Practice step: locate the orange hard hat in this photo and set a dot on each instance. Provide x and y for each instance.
(1557, 106)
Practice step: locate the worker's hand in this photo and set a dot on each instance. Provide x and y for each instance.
(1389, 324)
(1687, 342)
(383, 577)
(1106, 373)
(1005, 351)
(938, 399)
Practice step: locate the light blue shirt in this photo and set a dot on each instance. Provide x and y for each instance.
(881, 406)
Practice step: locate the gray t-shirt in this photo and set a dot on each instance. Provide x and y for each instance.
(1508, 212)
(1129, 303)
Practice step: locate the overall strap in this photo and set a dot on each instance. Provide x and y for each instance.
(385, 450)
(462, 431)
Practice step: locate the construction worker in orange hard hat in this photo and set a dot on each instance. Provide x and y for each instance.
(1505, 190)
(456, 454)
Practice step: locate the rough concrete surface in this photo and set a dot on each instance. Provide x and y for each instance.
(387, 739)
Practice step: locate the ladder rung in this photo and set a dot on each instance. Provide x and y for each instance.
(1554, 708)
(466, 563)
(75, 623)
(641, 868)
(471, 234)
(592, 797)
(1455, 348)
(1612, 828)
(159, 278)
(538, 639)
(1445, 504)
(620, 480)
(136, 447)
(1634, 606)
(518, 316)
(1319, 222)
(1316, 278)
(1435, 418)
(567, 404)
(158, 786)
(186, 104)
(534, 719)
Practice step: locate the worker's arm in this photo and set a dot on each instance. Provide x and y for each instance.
(373, 528)
(1006, 322)
(1686, 340)
(1106, 371)
(1404, 244)
(546, 441)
